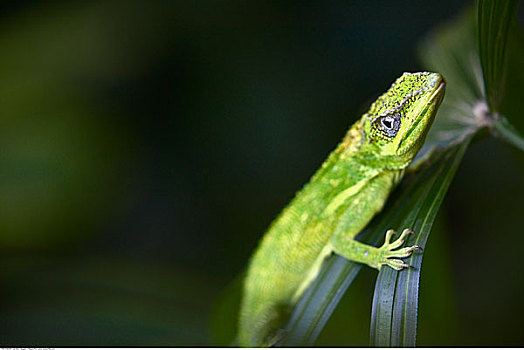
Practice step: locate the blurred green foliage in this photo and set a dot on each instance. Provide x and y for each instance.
(145, 147)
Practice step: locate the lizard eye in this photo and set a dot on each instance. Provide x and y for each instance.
(389, 124)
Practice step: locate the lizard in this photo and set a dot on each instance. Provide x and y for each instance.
(351, 186)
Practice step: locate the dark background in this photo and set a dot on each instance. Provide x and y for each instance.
(146, 146)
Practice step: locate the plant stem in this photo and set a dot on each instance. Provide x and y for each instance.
(505, 131)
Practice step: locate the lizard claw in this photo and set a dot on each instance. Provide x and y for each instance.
(389, 250)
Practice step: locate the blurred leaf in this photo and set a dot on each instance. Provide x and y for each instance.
(66, 159)
(395, 303)
(102, 302)
(451, 50)
(224, 318)
(494, 20)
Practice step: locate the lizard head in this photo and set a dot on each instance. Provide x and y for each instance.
(397, 123)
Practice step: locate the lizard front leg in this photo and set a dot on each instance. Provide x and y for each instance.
(387, 254)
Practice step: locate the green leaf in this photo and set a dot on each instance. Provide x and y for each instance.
(319, 301)
(494, 19)
(395, 302)
(513, 89)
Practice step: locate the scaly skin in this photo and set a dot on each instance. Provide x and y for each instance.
(339, 201)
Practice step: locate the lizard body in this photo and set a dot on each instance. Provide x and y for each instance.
(341, 198)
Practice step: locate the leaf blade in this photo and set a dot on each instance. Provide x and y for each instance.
(494, 19)
(395, 303)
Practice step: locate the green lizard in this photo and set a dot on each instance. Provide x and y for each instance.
(339, 201)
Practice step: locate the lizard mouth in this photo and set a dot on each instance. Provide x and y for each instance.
(429, 110)
(438, 93)
(434, 100)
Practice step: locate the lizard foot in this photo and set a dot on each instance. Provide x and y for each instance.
(387, 251)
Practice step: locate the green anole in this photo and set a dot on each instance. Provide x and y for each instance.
(341, 198)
